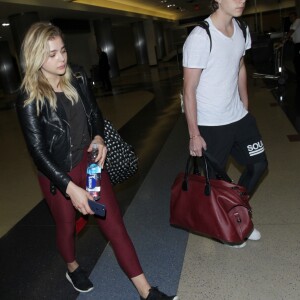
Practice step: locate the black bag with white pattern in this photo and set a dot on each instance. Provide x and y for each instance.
(121, 161)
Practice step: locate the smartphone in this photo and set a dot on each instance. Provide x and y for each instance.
(97, 208)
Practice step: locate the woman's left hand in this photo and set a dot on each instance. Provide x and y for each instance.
(102, 150)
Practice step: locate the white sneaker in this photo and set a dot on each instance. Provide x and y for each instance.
(236, 245)
(255, 235)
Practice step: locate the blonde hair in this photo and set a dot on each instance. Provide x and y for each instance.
(34, 52)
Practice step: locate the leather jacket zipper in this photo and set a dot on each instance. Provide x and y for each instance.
(52, 142)
(53, 125)
(54, 137)
(70, 145)
(88, 118)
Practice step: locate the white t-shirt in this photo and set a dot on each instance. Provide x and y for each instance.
(296, 35)
(218, 100)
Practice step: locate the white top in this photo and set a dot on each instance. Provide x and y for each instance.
(296, 35)
(218, 100)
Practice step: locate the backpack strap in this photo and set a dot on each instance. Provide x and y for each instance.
(79, 74)
(242, 24)
(205, 25)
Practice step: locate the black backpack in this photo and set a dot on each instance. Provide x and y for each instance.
(241, 23)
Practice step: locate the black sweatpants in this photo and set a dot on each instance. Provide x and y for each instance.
(241, 140)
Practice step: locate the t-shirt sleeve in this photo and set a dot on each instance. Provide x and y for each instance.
(295, 25)
(196, 49)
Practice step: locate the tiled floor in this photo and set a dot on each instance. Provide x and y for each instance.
(145, 106)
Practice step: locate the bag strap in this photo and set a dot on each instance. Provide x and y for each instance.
(196, 171)
(81, 80)
(208, 160)
(205, 26)
(243, 27)
(242, 24)
(216, 167)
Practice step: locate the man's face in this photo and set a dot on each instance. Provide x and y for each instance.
(232, 8)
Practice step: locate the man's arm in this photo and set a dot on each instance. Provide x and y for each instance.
(293, 28)
(191, 81)
(242, 83)
(288, 35)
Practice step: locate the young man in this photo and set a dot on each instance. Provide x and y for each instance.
(216, 97)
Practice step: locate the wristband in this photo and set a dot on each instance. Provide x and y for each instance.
(194, 136)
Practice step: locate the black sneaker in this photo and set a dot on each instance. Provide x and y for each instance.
(155, 294)
(79, 280)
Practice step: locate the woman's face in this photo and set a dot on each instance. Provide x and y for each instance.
(56, 63)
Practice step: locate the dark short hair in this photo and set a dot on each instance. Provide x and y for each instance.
(214, 5)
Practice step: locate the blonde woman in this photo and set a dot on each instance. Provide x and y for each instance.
(60, 124)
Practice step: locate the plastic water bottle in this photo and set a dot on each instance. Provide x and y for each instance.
(93, 174)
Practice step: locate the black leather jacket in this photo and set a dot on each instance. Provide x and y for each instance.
(47, 135)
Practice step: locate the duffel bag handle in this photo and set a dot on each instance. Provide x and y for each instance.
(196, 170)
(208, 159)
(212, 162)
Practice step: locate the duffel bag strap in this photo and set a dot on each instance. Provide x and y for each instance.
(196, 171)
(212, 162)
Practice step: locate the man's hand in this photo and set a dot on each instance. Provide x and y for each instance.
(197, 143)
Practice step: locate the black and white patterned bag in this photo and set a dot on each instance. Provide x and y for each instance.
(121, 161)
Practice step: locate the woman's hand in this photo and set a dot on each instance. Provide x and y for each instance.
(102, 150)
(197, 143)
(79, 198)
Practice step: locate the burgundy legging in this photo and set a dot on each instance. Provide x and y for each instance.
(112, 226)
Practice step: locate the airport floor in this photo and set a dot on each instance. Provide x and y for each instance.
(144, 105)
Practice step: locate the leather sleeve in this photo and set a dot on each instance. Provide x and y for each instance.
(35, 139)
